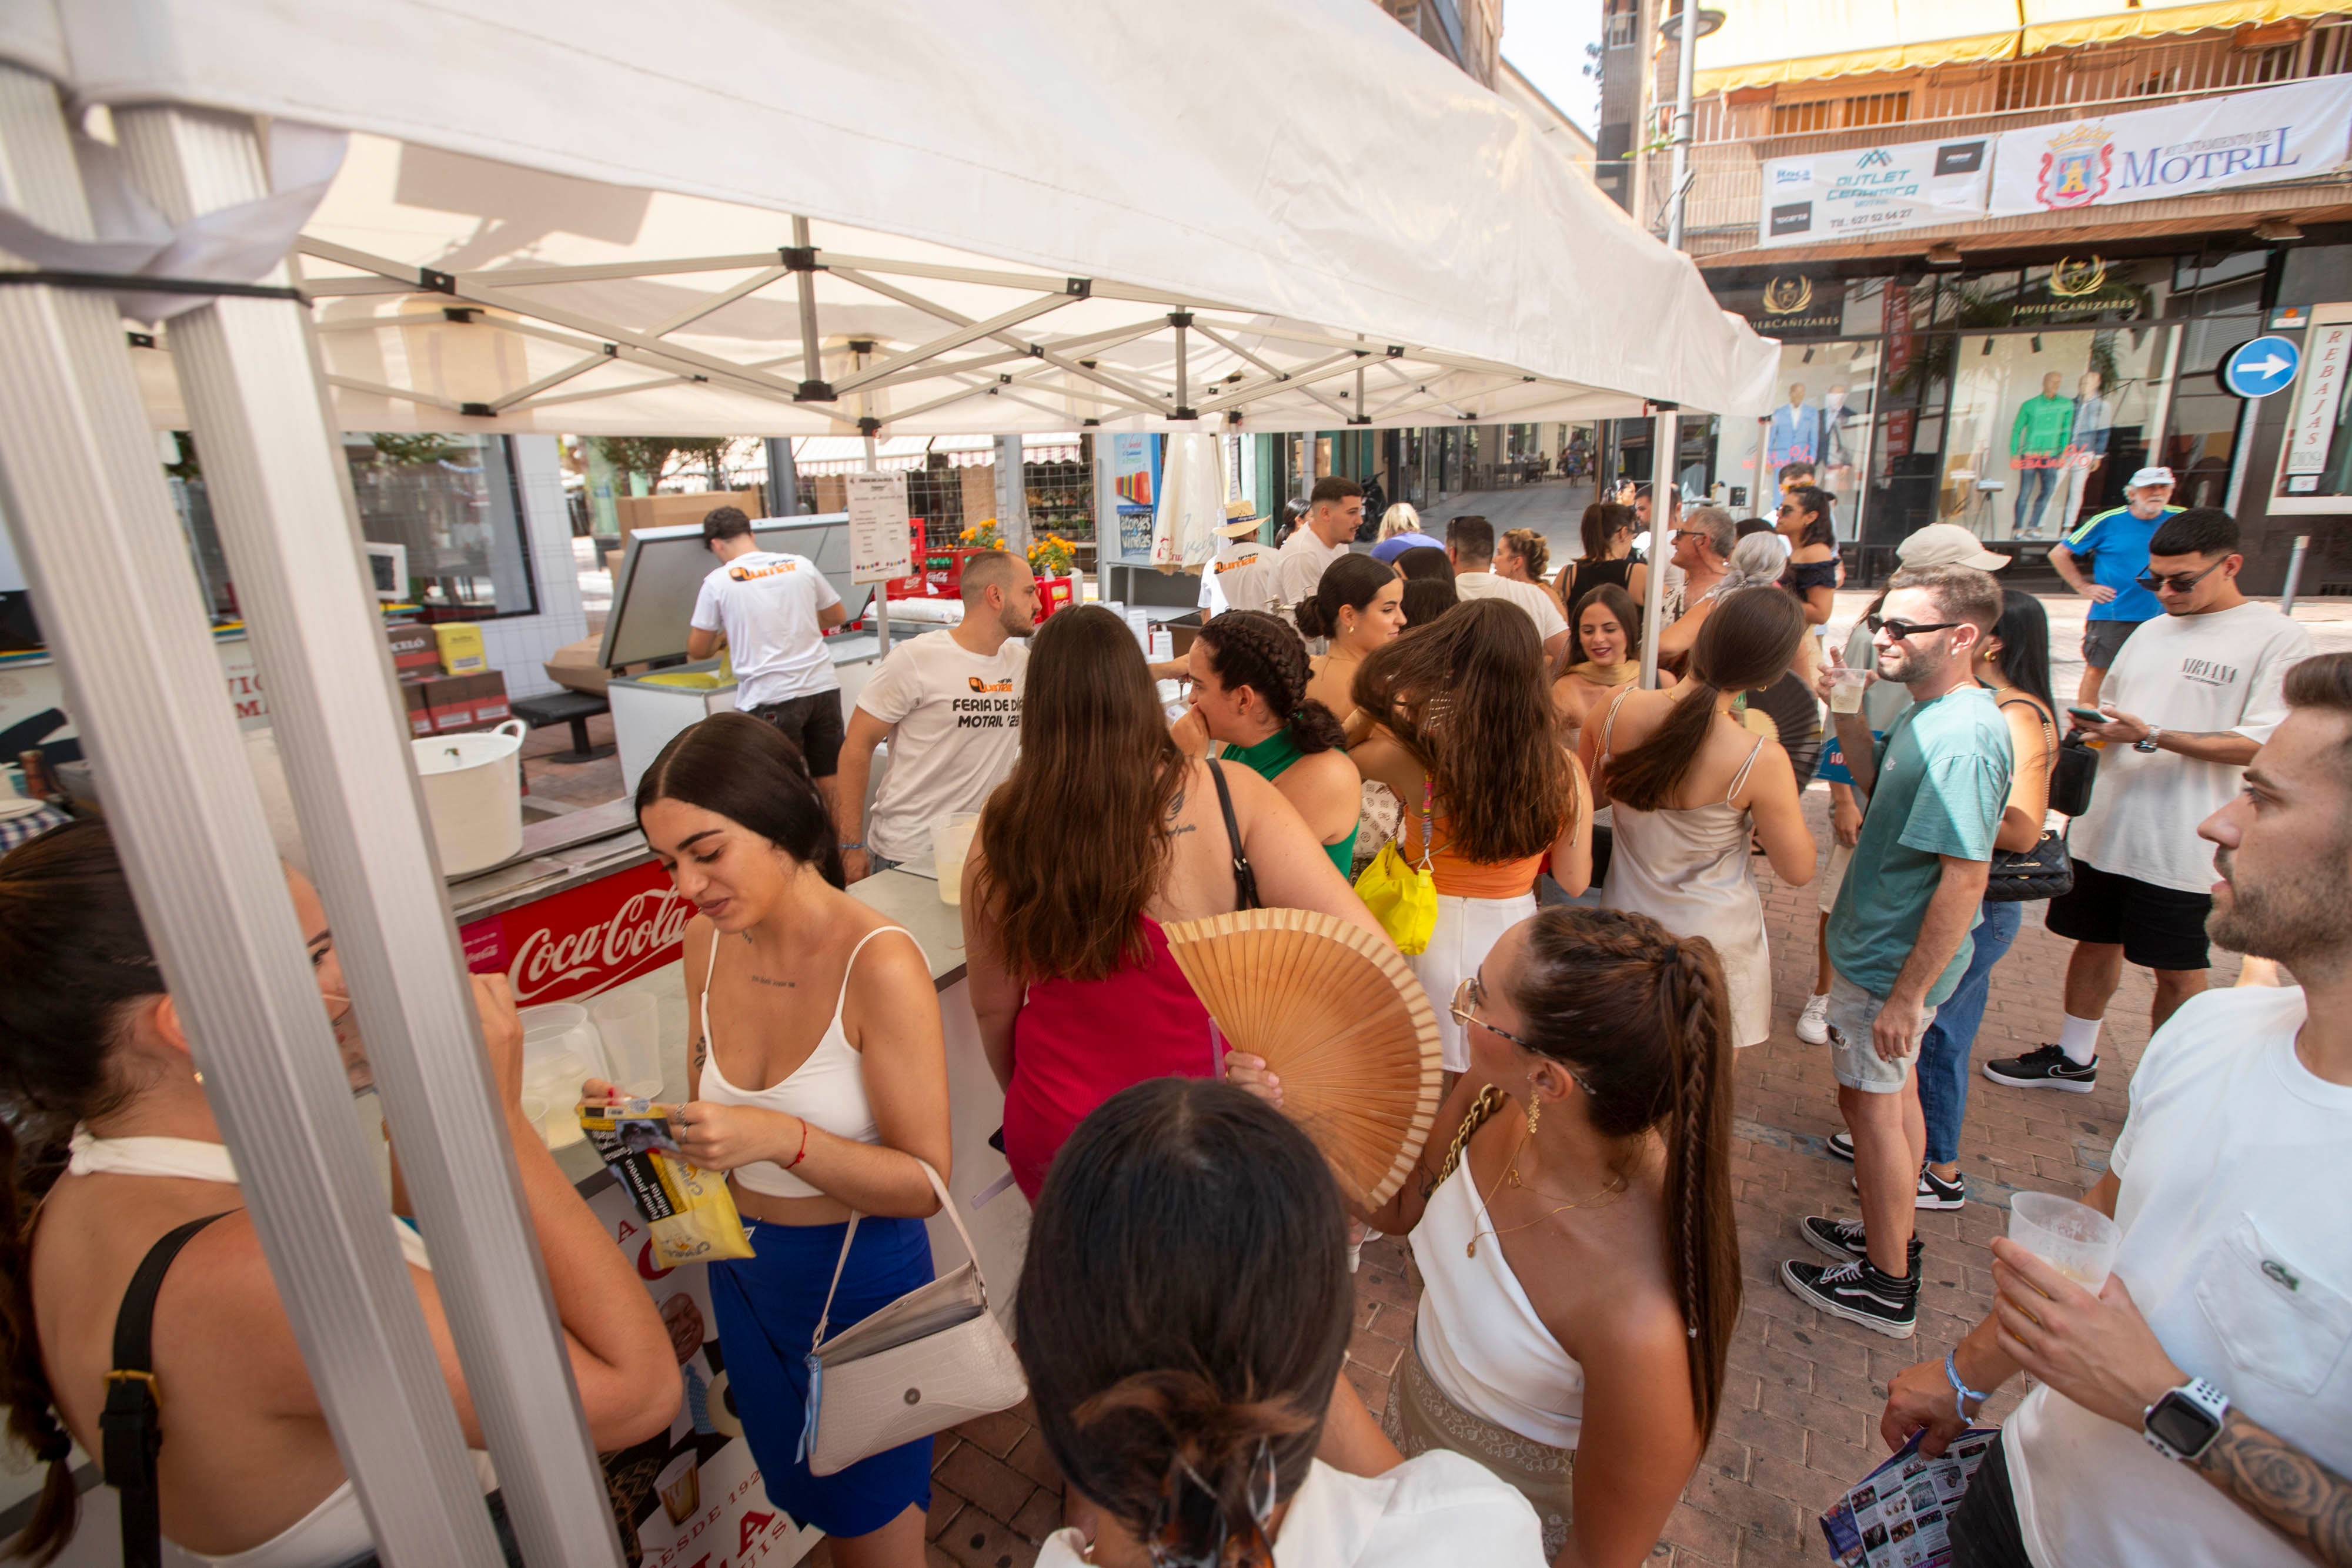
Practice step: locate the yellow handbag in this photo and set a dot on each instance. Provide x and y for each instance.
(1404, 897)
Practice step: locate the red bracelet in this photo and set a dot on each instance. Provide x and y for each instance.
(803, 1153)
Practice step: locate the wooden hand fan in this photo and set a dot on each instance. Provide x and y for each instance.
(1339, 1018)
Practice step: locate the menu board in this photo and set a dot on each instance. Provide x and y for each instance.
(879, 545)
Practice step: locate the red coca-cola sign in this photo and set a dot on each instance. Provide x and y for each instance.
(584, 940)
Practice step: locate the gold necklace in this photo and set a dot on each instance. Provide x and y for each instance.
(1614, 1184)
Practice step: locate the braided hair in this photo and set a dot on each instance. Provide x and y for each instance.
(1251, 648)
(1643, 1021)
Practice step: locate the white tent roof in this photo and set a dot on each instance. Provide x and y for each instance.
(605, 194)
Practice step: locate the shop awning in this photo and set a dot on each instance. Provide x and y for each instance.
(1017, 205)
(1751, 48)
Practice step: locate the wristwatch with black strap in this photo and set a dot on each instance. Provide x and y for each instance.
(2184, 1423)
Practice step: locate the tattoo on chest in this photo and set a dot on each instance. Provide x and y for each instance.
(781, 985)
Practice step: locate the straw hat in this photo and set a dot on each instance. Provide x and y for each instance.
(1242, 520)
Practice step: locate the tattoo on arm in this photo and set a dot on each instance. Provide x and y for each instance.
(701, 1052)
(2293, 1493)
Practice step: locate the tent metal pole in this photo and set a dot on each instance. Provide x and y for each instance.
(1011, 496)
(812, 385)
(1653, 605)
(783, 479)
(1182, 321)
(111, 578)
(271, 452)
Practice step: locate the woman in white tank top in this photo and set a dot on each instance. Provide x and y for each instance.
(92, 1049)
(1573, 1227)
(819, 1084)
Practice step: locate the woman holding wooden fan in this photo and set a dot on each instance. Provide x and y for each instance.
(1571, 1218)
(1466, 743)
(1105, 832)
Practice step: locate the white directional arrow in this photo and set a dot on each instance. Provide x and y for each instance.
(2266, 367)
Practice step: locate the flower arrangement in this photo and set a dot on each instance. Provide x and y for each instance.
(983, 535)
(1052, 556)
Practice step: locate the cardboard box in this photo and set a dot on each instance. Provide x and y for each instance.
(573, 668)
(669, 511)
(414, 650)
(460, 643)
(420, 712)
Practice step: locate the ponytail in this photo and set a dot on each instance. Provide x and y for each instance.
(1745, 644)
(1221, 1469)
(1643, 1020)
(1250, 648)
(25, 1380)
(1350, 582)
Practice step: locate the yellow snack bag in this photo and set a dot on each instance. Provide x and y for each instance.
(688, 1210)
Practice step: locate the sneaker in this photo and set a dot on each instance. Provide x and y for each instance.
(1814, 1027)
(2044, 1066)
(1843, 1239)
(1933, 1191)
(1859, 1294)
(1842, 1147)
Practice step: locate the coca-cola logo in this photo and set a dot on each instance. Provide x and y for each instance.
(642, 931)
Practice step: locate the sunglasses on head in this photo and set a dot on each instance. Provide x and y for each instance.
(1898, 630)
(2178, 581)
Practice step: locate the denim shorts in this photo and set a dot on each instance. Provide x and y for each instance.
(1852, 1058)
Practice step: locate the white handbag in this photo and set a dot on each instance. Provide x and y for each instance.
(934, 1357)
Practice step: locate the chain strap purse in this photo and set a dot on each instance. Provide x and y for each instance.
(2045, 871)
(933, 1359)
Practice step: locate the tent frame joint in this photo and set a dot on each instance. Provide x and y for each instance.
(798, 259)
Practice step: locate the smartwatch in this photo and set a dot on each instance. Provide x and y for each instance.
(2148, 742)
(2184, 1423)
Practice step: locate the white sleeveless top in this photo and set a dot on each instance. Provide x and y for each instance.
(826, 1090)
(336, 1530)
(1479, 1334)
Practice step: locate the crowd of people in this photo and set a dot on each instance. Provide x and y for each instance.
(1596, 958)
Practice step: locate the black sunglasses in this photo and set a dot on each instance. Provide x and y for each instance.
(1898, 630)
(2179, 581)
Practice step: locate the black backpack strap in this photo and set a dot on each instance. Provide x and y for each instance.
(1245, 879)
(132, 1438)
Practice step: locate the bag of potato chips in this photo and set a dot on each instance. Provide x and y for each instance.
(688, 1210)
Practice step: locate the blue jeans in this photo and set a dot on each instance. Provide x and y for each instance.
(2033, 488)
(1944, 1049)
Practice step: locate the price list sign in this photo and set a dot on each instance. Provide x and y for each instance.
(880, 547)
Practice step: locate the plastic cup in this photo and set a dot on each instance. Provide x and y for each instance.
(680, 1486)
(1846, 689)
(950, 844)
(2073, 1237)
(630, 1024)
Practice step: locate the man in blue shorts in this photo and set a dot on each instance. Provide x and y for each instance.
(2117, 542)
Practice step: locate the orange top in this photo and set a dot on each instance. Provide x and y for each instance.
(1458, 878)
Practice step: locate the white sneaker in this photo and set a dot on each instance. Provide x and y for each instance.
(1813, 1023)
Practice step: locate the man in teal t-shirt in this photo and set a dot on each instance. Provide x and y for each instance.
(1898, 938)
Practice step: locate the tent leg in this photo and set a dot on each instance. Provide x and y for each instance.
(1665, 453)
(1011, 496)
(271, 452)
(783, 479)
(111, 580)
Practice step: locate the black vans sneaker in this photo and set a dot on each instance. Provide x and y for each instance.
(1843, 1239)
(1859, 1294)
(1935, 1192)
(2044, 1066)
(1842, 1147)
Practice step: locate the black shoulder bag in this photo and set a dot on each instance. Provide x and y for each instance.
(1245, 879)
(2045, 871)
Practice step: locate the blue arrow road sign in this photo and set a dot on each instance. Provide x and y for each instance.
(2258, 369)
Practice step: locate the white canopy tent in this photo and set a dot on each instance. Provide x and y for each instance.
(552, 201)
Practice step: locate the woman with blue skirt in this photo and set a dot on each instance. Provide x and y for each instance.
(818, 1077)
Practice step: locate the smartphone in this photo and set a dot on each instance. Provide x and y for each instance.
(2087, 715)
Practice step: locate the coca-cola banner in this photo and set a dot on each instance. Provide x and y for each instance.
(586, 940)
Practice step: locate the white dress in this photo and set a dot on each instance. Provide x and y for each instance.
(1688, 868)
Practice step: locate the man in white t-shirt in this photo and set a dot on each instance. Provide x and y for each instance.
(2219, 1344)
(2188, 698)
(1242, 575)
(1335, 511)
(1470, 544)
(772, 610)
(949, 703)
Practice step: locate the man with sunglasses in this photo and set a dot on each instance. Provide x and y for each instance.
(2193, 694)
(1898, 938)
(2117, 540)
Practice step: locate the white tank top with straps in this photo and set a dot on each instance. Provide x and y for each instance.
(826, 1090)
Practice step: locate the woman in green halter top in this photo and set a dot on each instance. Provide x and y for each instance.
(1249, 676)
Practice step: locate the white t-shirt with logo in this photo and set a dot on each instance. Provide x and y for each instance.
(2196, 673)
(767, 604)
(958, 718)
(2237, 1246)
(1298, 567)
(1549, 621)
(1241, 578)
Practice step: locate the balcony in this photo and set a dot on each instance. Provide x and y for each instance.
(1735, 133)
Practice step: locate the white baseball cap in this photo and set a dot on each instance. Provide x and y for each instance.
(1947, 544)
(2148, 476)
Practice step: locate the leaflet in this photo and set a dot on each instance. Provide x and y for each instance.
(1896, 1518)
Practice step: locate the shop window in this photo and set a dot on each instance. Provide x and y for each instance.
(1823, 418)
(452, 503)
(2043, 427)
(2314, 465)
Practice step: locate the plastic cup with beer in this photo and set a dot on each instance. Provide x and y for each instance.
(950, 846)
(2073, 1237)
(1846, 686)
